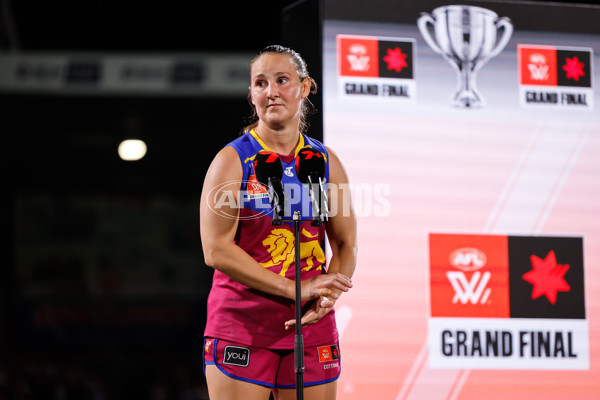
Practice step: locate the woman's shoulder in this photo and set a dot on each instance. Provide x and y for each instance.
(245, 145)
(315, 143)
(239, 141)
(226, 159)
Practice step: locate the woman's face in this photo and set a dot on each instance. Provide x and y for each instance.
(276, 90)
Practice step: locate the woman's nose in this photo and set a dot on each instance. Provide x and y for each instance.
(272, 92)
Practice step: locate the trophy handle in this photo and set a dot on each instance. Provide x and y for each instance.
(505, 23)
(422, 22)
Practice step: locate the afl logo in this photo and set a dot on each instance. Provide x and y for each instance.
(468, 259)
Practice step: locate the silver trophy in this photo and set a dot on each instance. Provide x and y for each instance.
(466, 36)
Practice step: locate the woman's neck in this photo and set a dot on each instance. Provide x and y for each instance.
(282, 141)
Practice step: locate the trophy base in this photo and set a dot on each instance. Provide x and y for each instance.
(467, 99)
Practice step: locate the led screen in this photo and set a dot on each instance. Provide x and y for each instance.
(471, 137)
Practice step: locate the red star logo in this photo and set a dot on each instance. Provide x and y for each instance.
(573, 68)
(395, 59)
(547, 277)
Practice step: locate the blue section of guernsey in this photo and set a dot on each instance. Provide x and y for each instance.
(254, 195)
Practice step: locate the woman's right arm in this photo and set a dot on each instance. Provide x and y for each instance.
(218, 226)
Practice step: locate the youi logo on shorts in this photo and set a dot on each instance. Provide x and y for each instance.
(235, 355)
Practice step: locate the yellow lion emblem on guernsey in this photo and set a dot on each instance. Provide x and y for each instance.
(280, 245)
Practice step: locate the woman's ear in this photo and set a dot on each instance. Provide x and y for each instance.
(306, 83)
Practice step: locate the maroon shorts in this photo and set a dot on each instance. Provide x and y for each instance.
(272, 368)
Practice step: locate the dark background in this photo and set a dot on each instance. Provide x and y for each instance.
(133, 328)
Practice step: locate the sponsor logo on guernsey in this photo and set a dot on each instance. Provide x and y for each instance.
(255, 190)
(289, 171)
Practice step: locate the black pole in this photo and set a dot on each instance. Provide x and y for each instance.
(298, 340)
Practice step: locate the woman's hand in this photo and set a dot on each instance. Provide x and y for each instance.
(315, 310)
(323, 290)
(323, 285)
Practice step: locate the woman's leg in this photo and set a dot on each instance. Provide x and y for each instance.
(222, 387)
(326, 391)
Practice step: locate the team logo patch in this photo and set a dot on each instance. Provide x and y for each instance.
(236, 355)
(328, 353)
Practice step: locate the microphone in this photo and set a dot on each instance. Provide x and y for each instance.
(310, 169)
(269, 170)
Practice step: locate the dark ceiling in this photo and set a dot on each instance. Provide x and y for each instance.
(142, 25)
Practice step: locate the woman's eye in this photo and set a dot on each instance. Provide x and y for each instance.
(282, 80)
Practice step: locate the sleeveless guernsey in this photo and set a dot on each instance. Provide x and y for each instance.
(247, 316)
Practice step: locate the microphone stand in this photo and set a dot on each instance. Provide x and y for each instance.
(298, 339)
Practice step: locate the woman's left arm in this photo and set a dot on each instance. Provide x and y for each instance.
(341, 228)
